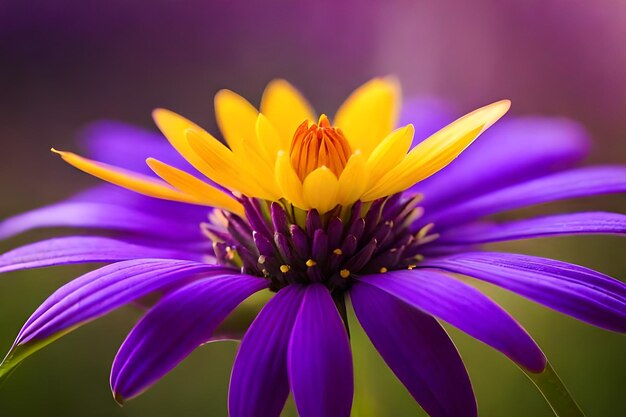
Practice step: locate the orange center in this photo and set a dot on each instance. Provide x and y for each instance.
(319, 145)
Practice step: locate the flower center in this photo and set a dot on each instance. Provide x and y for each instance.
(319, 145)
(330, 248)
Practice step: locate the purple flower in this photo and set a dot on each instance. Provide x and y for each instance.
(321, 214)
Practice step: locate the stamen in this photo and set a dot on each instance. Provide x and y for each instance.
(424, 231)
(319, 145)
(326, 249)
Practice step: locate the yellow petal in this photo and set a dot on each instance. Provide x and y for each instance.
(288, 181)
(353, 180)
(438, 150)
(191, 185)
(320, 188)
(223, 167)
(236, 118)
(389, 153)
(139, 183)
(174, 127)
(370, 113)
(269, 139)
(260, 170)
(285, 107)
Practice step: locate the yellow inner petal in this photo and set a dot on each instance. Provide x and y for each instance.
(370, 113)
(192, 186)
(288, 181)
(139, 183)
(374, 162)
(236, 118)
(389, 153)
(353, 180)
(228, 169)
(438, 150)
(174, 127)
(269, 139)
(285, 107)
(320, 188)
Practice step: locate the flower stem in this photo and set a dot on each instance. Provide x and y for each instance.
(340, 301)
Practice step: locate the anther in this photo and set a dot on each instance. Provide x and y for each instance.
(338, 252)
(310, 263)
(411, 266)
(261, 259)
(344, 273)
(383, 270)
(284, 268)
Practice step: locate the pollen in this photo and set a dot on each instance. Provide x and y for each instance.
(319, 145)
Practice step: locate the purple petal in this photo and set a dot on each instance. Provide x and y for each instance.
(319, 359)
(517, 149)
(98, 292)
(95, 294)
(428, 115)
(259, 384)
(112, 194)
(127, 146)
(418, 350)
(103, 216)
(463, 307)
(171, 330)
(570, 184)
(557, 225)
(571, 289)
(83, 249)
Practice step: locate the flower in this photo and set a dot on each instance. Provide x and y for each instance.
(319, 212)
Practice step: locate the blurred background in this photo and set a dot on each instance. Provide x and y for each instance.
(64, 64)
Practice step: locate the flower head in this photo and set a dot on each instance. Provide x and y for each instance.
(322, 212)
(281, 154)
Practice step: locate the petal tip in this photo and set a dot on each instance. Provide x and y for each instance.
(119, 399)
(158, 112)
(223, 94)
(503, 106)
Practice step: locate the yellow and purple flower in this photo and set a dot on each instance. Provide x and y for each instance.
(319, 213)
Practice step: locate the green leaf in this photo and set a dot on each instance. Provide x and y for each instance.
(555, 393)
